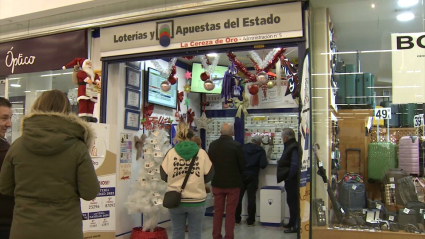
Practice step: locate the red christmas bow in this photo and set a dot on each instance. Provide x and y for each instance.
(180, 96)
(203, 104)
(147, 110)
(190, 116)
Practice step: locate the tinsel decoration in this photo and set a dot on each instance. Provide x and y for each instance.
(241, 67)
(188, 57)
(139, 143)
(148, 191)
(190, 117)
(147, 110)
(180, 96)
(209, 69)
(263, 63)
(165, 72)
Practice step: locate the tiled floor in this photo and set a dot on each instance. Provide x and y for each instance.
(243, 231)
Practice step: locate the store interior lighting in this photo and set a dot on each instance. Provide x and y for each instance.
(18, 84)
(407, 3)
(406, 16)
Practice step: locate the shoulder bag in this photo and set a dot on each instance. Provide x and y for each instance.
(172, 199)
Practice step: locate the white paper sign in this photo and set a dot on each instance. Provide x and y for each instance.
(383, 113)
(418, 120)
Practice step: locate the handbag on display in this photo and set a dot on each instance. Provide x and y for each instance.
(172, 199)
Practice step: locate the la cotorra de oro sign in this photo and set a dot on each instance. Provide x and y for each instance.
(233, 26)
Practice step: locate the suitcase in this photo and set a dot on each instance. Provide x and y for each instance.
(407, 114)
(421, 155)
(352, 192)
(360, 89)
(382, 156)
(409, 154)
(391, 177)
(350, 84)
(419, 207)
(341, 96)
(394, 121)
(407, 216)
(368, 83)
(375, 121)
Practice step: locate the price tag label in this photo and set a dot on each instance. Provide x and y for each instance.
(392, 179)
(383, 113)
(354, 187)
(391, 218)
(320, 164)
(364, 211)
(378, 206)
(392, 186)
(406, 210)
(418, 120)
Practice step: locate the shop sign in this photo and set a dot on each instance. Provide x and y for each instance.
(408, 67)
(226, 27)
(42, 53)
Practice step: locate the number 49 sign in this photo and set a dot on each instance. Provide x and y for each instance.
(383, 113)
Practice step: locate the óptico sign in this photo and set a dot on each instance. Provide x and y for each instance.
(233, 26)
(42, 53)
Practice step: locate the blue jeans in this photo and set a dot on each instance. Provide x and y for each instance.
(195, 217)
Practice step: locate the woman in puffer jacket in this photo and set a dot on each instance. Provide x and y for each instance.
(173, 171)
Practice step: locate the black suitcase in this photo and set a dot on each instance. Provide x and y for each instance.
(407, 216)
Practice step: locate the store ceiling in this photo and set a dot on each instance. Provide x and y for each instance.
(358, 26)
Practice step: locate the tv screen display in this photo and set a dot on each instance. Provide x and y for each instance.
(154, 92)
(216, 77)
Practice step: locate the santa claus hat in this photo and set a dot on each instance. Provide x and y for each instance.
(76, 61)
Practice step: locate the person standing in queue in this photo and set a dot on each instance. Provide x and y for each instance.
(287, 170)
(255, 158)
(6, 202)
(227, 157)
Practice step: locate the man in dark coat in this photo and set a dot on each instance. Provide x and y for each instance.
(287, 170)
(6, 202)
(227, 157)
(255, 158)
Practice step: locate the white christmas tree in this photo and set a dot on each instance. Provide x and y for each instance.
(148, 191)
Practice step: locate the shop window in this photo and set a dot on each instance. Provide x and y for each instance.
(23, 89)
(368, 105)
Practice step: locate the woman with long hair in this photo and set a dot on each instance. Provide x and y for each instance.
(48, 169)
(192, 207)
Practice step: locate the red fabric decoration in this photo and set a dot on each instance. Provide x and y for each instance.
(158, 233)
(190, 117)
(204, 76)
(180, 96)
(203, 104)
(147, 110)
(256, 66)
(188, 57)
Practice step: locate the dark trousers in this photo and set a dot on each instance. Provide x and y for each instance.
(220, 197)
(4, 232)
(292, 198)
(250, 185)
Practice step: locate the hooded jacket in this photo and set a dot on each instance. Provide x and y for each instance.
(175, 166)
(255, 158)
(6, 202)
(48, 169)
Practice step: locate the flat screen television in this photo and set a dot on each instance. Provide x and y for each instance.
(216, 77)
(154, 93)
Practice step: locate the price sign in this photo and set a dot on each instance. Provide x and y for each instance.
(418, 120)
(383, 113)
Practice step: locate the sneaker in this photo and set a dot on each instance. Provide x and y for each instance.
(251, 225)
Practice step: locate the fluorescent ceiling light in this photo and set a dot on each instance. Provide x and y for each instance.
(316, 97)
(380, 87)
(27, 91)
(14, 78)
(407, 16)
(212, 54)
(354, 52)
(373, 5)
(67, 73)
(328, 74)
(50, 75)
(407, 3)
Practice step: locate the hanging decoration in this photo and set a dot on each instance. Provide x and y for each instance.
(187, 88)
(209, 85)
(270, 84)
(188, 75)
(167, 71)
(204, 104)
(187, 102)
(188, 57)
(209, 69)
(253, 89)
(180, 96)
(151, 123)
(165, 86)
(148, 191)
(139, 143)
(147, 110)
(202, 122)
(172, 78)
(293, 86)
(241, 105)
(231, 83)
(177, 116)
(190, 116)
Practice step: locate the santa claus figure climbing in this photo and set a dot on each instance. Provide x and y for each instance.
(88, 83)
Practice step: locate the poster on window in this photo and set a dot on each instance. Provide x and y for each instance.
(99, 213)
(408, 68)
(304, 129)
(126, 153)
